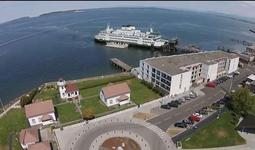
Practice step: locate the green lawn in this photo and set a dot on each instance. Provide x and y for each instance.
(49, 93)
(13, 121)
(102, 81)
(140, 93)
(219, 133)
(99, 108)
(86, 93)
(67, 113)
(89, 91)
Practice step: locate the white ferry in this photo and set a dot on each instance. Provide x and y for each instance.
(128, 35)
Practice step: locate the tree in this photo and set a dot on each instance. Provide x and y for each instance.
(242, 101)
(88, 114)
(27, 99)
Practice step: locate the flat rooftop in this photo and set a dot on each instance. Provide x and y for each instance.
(172, 64)
(251, 47)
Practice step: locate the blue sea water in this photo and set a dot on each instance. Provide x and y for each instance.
(41, 49)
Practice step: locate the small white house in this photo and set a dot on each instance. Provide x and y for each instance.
(41, 113)
(67, 91)
(29, 137)
(117, 94)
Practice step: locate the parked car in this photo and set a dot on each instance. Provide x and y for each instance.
(194, 118)
(192, 96)
(230, 76)
(187, 98)
(211, 84)
(221, 102)
(236, 72)
(202, 112)
(198, 115)
(166, 106)
(173, 104)
(180, 125)
(178, 102)
(182, 100)
(187, 121)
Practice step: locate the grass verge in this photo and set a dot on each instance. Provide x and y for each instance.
(219, 133)
(67, 113)
(12, 122)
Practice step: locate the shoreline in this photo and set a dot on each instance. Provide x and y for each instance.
(8, 106)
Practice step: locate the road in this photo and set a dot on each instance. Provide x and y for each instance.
(165, 120)
(212, 95)
(203, 122)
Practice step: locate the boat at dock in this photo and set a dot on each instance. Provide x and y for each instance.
(128, 35)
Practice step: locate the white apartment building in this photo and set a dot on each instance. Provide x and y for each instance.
(175, 74)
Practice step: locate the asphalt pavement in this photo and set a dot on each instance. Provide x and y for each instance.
(212, 95)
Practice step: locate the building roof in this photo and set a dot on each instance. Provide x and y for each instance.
(71, 88)
(115, 90)
(171, 64)
(247, 122)
(29, 135)
(40, 108)
(251, 77)
(251, 47)
(40, 146)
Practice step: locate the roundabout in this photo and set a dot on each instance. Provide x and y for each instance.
(120, 134)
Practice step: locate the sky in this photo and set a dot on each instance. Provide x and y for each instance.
(10, 10)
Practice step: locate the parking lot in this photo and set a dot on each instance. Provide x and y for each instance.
(185, 108)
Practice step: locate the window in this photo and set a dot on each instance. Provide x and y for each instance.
(158, 73)
(69, 95)
(153, 69)
(157, 77)
(110, 101)
(33, 121)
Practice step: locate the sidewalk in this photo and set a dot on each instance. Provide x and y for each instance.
(9, 108)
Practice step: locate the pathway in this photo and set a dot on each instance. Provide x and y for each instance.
(9, 108)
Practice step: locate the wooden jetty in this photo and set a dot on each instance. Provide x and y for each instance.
(120, 65)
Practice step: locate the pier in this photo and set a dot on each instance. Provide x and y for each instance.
(120, 65)
(242, 42)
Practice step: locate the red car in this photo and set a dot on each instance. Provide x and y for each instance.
(211, 84)
(194, 118)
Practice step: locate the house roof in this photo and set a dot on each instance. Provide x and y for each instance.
(247, 122)
(71, 88)
(40, 108)
(40, 146)
(115, 90)
(29, 135)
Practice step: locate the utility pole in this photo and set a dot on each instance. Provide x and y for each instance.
(2, 104)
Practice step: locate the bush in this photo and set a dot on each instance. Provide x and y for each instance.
(88, 114)
(154, 89)
(27, 99)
